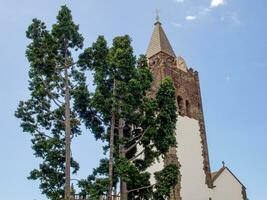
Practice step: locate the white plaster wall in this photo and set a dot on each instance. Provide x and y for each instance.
(227, 187)
(189, 153)
(157, 166)
(193, 186)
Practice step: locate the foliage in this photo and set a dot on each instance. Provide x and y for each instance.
(143, 125)
(94, 185)
(166, 179)
(42, 115)
(122, 82)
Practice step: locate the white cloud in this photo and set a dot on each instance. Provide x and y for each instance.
(206, 10)
(216, 3)
(177, 24)
(190, 17)
(179, 1)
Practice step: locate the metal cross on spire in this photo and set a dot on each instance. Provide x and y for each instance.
(157, 15)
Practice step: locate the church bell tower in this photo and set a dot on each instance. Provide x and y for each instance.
(196, 182)
(191, 154)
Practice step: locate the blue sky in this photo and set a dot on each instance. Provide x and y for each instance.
(224, 40)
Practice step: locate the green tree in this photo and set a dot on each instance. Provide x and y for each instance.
(127, 119)
(48, 115)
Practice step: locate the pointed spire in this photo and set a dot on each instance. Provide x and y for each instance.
(159, 41)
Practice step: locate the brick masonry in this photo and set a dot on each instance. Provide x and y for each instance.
(189, 103)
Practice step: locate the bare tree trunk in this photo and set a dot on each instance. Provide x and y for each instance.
(67, 127)
(111, 148)
(123, 185)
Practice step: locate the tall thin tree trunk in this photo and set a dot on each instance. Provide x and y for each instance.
(67, 126)
(123, 185)
(111, 147)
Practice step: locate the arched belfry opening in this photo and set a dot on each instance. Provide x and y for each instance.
(187, 108)
(180, 105)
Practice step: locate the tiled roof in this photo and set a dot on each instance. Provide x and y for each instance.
(215, 175)
(159, 42)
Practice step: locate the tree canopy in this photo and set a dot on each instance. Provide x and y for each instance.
(135, 129)
(52, 78)
(144, 127)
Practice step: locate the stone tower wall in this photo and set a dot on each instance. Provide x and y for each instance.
(188, 95)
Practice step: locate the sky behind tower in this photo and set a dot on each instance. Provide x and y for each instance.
(224, 40)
